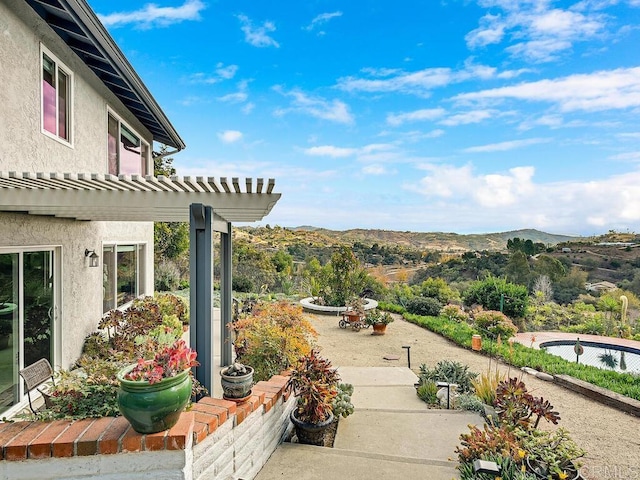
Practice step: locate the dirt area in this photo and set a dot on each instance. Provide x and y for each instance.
(611, 437)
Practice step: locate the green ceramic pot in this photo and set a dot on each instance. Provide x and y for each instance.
(153, 408)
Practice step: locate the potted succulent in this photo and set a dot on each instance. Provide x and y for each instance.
(154, 392)
(379, 320)
(237, 380)
(315, 384)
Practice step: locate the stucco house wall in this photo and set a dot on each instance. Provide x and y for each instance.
(23, 147)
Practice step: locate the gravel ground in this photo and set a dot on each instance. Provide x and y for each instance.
(611, 437)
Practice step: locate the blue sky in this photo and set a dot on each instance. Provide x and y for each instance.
(464, 116)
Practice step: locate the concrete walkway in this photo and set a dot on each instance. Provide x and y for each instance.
(392, 435)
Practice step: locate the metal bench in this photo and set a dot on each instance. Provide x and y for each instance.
(36, 375)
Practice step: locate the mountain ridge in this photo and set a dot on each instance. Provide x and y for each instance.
(442, 241)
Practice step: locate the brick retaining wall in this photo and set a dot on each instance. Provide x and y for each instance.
(215, 439)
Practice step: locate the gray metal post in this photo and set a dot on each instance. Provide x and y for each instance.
(226, 295)
(201, 284)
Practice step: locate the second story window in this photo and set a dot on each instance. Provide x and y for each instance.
(56, 98)
(128, 154)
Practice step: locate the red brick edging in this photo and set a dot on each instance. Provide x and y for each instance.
(109, 435)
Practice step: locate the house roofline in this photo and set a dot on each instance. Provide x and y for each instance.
(80, 28)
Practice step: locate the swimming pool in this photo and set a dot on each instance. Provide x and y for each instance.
(597, 354)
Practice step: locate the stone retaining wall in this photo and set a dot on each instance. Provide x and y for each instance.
(215, 439)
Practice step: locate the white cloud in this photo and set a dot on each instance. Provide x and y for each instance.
(538, 32)
(374, 153)
(374, 169)
(230, 136)
(626, 156)
(227, 72)
(258, 36)
(505, 146)
(237, 97)
(603, 90)
(495, 200)
(418, 83)
(152, 15)
(491, 30)
(421, 82)
(397, 119)
(222, 72)
(332, 110)
(473, 116)
(248, 108)
(322, 19)
(330, 151)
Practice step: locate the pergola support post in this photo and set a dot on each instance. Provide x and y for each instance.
(226, 295)
(201, 284)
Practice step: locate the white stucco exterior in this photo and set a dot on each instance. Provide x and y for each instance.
(24, 148)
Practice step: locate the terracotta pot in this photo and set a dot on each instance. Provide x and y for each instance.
(379, 328)
(476, 343)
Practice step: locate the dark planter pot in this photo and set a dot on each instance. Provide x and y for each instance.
(311, 433)
(539, 469)
(379, 329)
(236, 388)
(153, 408)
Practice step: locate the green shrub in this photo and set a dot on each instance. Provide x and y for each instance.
(450, 372)
(495, 324)
(427, 392)
(493, 292)
(272, 338)
(454, 313)
(391, 307)
(242, 284)
(521, 356)
(424, 306)
(471, 403)
(167, 276)
(460, 333)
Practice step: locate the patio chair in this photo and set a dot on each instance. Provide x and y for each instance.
(34, 376)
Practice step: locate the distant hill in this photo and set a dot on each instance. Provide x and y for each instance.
(452, 242)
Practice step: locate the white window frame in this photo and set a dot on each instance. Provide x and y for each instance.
(56, 332)
(69, 110)
(141, 265)
(146, 150)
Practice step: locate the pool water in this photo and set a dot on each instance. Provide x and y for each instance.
(604, 356)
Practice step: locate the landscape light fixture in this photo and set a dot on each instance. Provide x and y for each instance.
(94, 259)
(484, 466)
(408, 347)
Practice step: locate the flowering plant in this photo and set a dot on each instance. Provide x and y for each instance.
(165, 364)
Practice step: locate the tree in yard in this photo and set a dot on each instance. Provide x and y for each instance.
(517, 269)
(550, 267)
(497, 294)
(170, 239)
(569, 287)
(542, 288)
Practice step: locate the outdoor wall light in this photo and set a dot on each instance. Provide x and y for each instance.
(94, 259)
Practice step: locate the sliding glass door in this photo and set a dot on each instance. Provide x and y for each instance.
(9, 332)
(27, 306)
